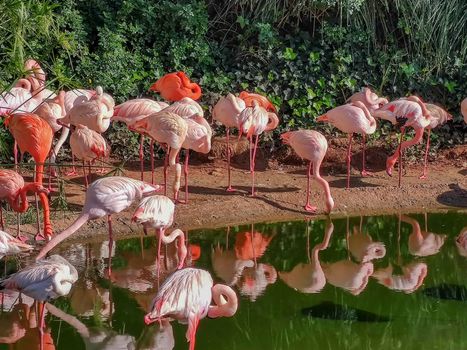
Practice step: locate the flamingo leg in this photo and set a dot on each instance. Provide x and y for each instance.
(159, 232)
(308, 207)
(364, 171)
(229, 186)
(89, 171)
(73, 169)
(39, 232)
(253, 194)
(401, 164)
(50, 174)
(349, 157)
(403, 145)
(152, 161)
(166, 163)
(141, 160)
(86, 183)
(423, 176)
(111, 241)
(2, 223)
(15, 154)
(185, 171)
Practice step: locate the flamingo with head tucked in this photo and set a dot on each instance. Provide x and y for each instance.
(253, 121)
(464, 109)
(368, 98)
(227, 111)
(175, 86)
(263, 101)
(311, 145)
(186, 296)
(351, 118)
(10, 245)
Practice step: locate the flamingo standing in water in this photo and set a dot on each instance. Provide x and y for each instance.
(14, 191)
(10, 245)
(351, 118)
(133, 110)
(186, 296)
(34, 135)
(175, 86)
(311, 145)
(464, 109)
(104, 197)
(158, 212)
(253, 121)
(170, 129)
(227, 111)
(404, 112)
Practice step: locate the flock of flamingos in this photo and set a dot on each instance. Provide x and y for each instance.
(33, 114)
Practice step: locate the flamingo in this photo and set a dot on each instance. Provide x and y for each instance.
(186, 296)
(311, 145)
(368, 98)
(133, 110)
(88, 145)
(10, 245)
(464, 109)
(185, 108)
(263, 101)
(412, 278)
(170, 129)
(253, 121)
(34, 135)
(362, 247)
(227, 111)
(348, 275)
(351, 118)
(175, 86)
(423, 243)
(13, 190)
(158, 212)
(404, 112)
(461, 242)
(104, 197)
(44, 280)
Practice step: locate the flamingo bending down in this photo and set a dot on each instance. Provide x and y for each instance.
(44, 280)
(158, 212)
(186, 296)
(368, 98)
(351, 118)
(263, 101)
(253, 121)
(88, 145)
(464, 109)
(14, 191)
(227, 111)
(311, 145)
(170, 129)
(10, 245)
(175, 86)
(133, 110)
(404, 112)
(34, 135)
(104, 197)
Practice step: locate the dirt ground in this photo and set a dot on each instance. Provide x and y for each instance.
(281, 186)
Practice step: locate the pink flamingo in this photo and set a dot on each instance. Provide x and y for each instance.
(14, 191)
(170, 129)
(461, 242)
(88, 145)
(404, 112)
(263, 101)
(362, 247)
(133, 110)
(423, 243)
(158, 212)
(348, 275)
(104, 197)
(10, 245)
(351, 118)
(198, 139)
(186, 296)
(44, 280)
(412, 278)
(464, 109)
(185, 108)
(227, 111)
(253, 121)
(368, 98)
(311, 145)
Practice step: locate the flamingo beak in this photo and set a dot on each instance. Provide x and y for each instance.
(148, 320)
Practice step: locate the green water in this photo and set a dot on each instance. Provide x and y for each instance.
(109, 314)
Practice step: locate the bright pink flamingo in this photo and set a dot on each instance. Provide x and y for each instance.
(311, 145)
(14, 191)
(186, 296)
(464, 109)
(351, 118)
(88, 145)
(175, 86)
(170, 129)
(133, 110)
(227, 111)
(368, 98)
(157, 212)
(253, 121)
(34, 135)
(44, 280)
(104, 197)
(404, 112)
(10, 245)
(263, 101)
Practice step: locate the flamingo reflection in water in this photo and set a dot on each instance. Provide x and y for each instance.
(186, 296)
(423, 243)
(310, 278)
(461, 242)
(362, 247)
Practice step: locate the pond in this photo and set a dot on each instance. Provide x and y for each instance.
(302, 285)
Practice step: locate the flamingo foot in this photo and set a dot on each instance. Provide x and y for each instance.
(230, 189)
(253, 194)
(367, 173)
(39, 237)
(311, 209)
(53, 172)
(22, 238)
(423, 177)
(389, 171)
(71, 173)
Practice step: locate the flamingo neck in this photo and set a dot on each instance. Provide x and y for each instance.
(223, 308)
(15, 205)
(273, 121)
